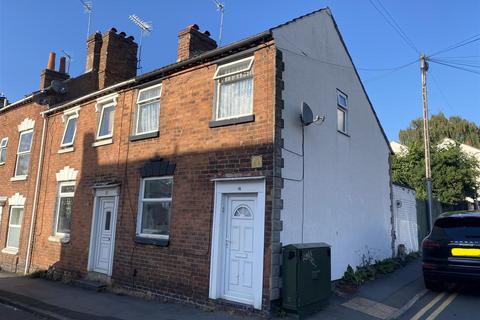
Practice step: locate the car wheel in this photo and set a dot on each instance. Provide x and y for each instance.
(433, 285)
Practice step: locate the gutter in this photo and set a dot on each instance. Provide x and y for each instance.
(26, 99)
(36, 196)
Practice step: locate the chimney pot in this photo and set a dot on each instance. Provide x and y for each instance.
(131, 38)
(61, 69)
(193, 26)
(122, 34)
(51, 61)
(112, 29)
(207, 33)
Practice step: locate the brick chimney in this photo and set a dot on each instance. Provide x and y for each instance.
(192, 42)
(49, 74)
(94, 45)
(117, 60)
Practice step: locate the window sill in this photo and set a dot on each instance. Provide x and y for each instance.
(344, 133)
(65, 150)
(2, 163)
(161, 242)
(18, 178)
(102, 142)
(143, 136)
(59, 238)
(8, 250)
(232, 121)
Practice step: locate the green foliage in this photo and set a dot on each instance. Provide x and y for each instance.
(455, 128)
(453, 172)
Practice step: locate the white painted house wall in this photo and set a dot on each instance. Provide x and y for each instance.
(347, 181)
(405, 218)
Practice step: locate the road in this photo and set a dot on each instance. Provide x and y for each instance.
(11, 313)
(459, 302)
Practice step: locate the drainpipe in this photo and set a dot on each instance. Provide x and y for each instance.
(36, 196)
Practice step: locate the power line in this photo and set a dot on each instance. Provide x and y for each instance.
(456, 67)
(391, 72)
(458, 45)
(394, 25)
(437, 84)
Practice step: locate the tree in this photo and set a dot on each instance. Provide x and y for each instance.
(454, 174)
(455, 128)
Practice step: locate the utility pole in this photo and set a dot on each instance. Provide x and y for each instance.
(426, 139)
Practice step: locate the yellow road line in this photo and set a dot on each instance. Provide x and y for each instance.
(442, 307)
(424, 310)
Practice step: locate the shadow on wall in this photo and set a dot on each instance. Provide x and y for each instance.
(180, 265)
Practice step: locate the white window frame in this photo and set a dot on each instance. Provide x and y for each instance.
(23, 152)
(3, 148)
(7, 247)
(216, 77)
(67, 120)
(103, 106)
(139, 103)
(60, 195)
(344, 109)
(140, 207)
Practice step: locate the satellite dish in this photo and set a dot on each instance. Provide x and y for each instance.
(307, 115)
(58, 87)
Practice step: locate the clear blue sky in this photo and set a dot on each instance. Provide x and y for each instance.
(30, 29)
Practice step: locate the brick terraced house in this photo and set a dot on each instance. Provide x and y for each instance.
(186, 181)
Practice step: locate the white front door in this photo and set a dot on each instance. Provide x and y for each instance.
(104, 237)
(239, 255)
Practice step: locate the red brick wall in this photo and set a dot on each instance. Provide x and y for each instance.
(9, 120)
(200, 153)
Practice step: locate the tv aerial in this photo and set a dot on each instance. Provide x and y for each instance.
(88, 6)
(145, 29)
(221, 8)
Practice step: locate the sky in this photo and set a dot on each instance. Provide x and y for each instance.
(29, 30)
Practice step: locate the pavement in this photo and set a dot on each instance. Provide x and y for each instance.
(399, 295)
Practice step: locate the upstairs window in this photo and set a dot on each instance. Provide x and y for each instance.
(105, 123)
(154, 207)
(70, 130)
(148, 110)
(23, 153)
(234, 89)
(3, 150)
(342, 112)
(63, 215)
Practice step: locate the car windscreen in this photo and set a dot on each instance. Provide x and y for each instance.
(457, 228)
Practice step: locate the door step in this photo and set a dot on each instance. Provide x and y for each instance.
(90, 285)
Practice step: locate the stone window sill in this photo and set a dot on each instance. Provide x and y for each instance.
(143, 136)
(232, 121)
(10, 250)
(59, 238)
(65, 150)
(344, 133)
(102, 142)
(161, 242)
(18, 178)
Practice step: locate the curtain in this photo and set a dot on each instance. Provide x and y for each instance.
(148, 115)
(235, 97)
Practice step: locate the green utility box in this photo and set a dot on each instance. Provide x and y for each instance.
(306, 277)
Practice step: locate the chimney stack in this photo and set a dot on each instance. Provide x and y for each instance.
(192, 42)
(49, 74)
(61, 69)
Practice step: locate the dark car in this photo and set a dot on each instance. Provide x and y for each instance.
(451, 252)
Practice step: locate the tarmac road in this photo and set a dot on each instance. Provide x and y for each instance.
(11, 313)
(461, 302)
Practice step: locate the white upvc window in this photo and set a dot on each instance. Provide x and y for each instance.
(70, 130)
(3, 150)
(23, 153)
(342, 112)
(154, 207)
(234, 89)
(105, 122)
(148, 110)
(63, 215)
(14, 227)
